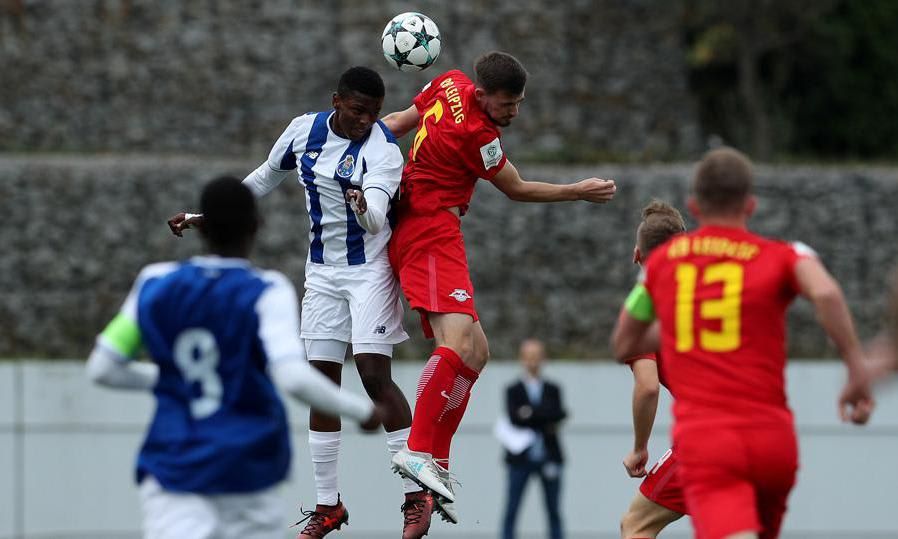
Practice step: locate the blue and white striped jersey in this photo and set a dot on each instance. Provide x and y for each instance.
(328, 165)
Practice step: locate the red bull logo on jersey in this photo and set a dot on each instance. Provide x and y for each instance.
(346, 167)
(460, 294)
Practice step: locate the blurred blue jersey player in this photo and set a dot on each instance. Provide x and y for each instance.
(218, 330)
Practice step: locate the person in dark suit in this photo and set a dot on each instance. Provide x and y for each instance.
(534, 403)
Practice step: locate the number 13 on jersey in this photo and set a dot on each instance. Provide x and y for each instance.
(727, 309)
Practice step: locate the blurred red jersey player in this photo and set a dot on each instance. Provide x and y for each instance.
(660, 499)
(720, 294)
(457, 141)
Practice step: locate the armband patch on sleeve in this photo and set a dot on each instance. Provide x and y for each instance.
(122, 335)
(491, 153)
(639, 304)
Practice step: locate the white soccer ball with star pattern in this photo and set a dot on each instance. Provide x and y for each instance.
(411, 41)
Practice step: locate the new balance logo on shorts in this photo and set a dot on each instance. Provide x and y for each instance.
(460, 294)
(380, 330)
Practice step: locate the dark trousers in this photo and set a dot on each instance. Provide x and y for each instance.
(518, 475)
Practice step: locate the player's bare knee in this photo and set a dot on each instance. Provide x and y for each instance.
(626, 526)
(465, 350)
(479, 358)
(632, 524)
(481, 354)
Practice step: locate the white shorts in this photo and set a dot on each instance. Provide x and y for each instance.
(182, 515)
(352, 304)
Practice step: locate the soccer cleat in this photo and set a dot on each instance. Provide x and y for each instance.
(416, 514)
(444, 506)
(323, 520)
(420, 468)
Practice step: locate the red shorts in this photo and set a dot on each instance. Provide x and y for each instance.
(427, 252)
(662, 484)
(737, 479)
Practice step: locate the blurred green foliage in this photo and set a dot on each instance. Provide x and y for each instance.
(787, 78)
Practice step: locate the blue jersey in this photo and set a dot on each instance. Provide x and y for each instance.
(212, 325)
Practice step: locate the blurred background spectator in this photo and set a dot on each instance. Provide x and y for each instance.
(535, 411)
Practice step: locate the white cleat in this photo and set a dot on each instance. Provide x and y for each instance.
(420, 468)
(446, 509)
(443, 506)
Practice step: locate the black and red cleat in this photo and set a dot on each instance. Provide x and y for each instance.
(416, 512)
(323, 520)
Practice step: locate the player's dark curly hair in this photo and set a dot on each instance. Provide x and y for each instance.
(660, 222)
(361, 80)
(229, 212)
(499, 71)
(722, 181)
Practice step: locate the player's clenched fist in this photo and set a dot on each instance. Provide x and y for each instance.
(596, 190)
(374, 422)
(635, 463)
(183, 221)
(856, 402)
(356, 200)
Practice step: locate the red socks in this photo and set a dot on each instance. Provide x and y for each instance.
(443, 393)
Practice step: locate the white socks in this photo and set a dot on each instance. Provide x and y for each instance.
(396, 440)
(324, 448)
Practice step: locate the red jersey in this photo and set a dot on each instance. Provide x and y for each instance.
(455, 144)
(721, 295)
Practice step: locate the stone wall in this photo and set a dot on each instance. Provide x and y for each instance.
(77, 229)
(223, 77)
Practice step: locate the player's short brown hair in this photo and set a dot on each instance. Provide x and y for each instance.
(500, 72)
(660, 222)
(722, 181)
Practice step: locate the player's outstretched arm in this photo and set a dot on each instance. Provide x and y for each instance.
(182, 221)
(883, 354)
(402, 121)
(105, 368)
(264, 179)
(509, 181)
(822, 290)
(111, 363)
(883, 350)
(646, 388)
(308, 385)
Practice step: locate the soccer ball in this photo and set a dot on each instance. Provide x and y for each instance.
(411, 41)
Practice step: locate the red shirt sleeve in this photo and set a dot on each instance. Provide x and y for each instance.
(631, 360)
(792, 254)
(484, 155)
